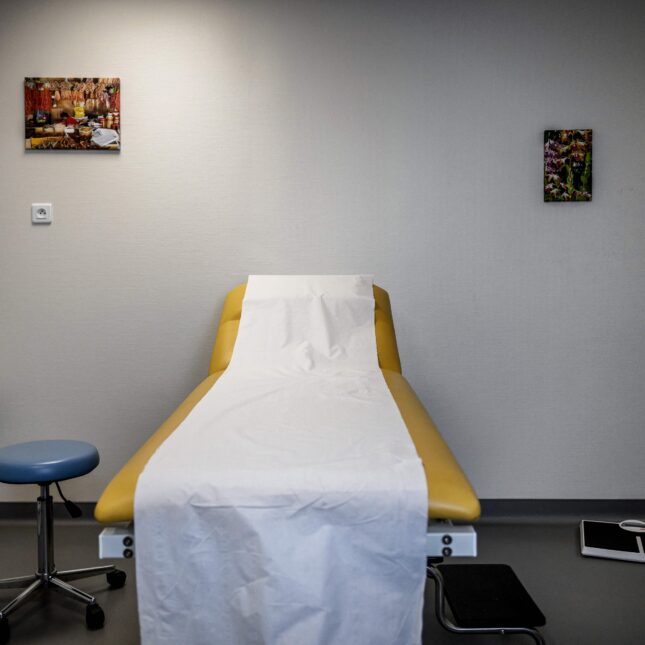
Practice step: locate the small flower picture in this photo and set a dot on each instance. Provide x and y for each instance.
(567, 165)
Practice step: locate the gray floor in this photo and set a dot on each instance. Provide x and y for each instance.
(586, 601)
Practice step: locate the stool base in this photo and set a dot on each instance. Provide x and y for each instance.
(48, 577)
(56, 580)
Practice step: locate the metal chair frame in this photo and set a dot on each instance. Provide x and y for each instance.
(47, 576)
(434, 574)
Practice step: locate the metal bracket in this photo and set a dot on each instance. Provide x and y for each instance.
(117, 542)
(445, 540)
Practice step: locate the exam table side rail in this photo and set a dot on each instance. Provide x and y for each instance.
(452, 499)
(451, 495)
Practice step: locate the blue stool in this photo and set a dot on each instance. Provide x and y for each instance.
(44, 463)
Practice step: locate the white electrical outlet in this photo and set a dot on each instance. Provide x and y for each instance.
(42, 213)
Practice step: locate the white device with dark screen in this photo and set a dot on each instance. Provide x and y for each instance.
(611, 540)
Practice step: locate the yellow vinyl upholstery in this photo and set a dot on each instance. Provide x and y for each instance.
(450, 495)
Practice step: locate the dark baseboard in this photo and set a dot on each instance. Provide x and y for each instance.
(492, 509)
(27, 511)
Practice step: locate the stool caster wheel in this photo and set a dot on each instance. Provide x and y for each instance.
(116, 578)
(4, 631)
(94, 616)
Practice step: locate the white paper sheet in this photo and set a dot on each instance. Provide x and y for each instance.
(289, 508)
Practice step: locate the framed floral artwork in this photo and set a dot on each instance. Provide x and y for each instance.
(567, 165)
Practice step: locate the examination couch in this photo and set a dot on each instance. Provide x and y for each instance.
(450, 495)
(452, 502)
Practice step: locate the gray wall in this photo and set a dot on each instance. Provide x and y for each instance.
(397, 138)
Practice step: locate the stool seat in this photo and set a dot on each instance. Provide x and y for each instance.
(39, 462)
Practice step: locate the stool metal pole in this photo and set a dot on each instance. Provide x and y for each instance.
(46, 564)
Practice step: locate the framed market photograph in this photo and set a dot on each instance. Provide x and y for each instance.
(72, 113)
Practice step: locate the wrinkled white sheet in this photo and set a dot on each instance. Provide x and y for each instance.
(289, 507)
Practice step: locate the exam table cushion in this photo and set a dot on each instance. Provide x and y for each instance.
(450, 495)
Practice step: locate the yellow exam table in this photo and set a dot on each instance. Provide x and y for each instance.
(450, 495)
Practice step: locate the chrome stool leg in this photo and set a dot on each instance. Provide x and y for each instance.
(72, 592)
(94, 616)
(19, 599)
(17, 583)
(77, 574)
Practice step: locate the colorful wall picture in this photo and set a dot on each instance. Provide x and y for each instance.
(72, 114)
(567, 165)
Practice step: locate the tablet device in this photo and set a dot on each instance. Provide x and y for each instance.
(609, 540)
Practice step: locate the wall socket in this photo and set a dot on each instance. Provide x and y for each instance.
(42, 213)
